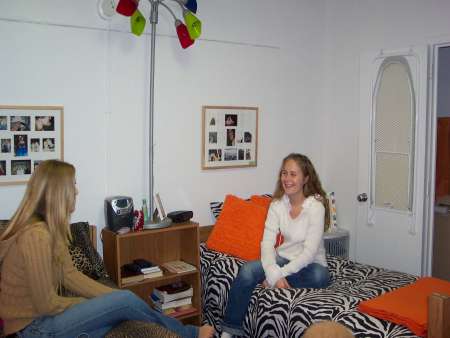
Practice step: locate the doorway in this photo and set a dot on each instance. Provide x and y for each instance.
(440, 266)
(391, 146)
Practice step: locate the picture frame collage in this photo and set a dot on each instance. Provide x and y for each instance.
(229, 137)
(28, 136)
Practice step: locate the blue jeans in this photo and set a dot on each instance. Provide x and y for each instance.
(251, 274)
(95, 317)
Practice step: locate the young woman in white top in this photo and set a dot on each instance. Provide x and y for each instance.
(299, 212)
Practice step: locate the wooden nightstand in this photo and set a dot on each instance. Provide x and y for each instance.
(176, 242)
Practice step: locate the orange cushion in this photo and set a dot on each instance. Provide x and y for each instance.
(239, 229)
(263, 201)
(408, 305)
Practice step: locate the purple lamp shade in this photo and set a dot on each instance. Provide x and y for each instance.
(127, 7)
(183, 34)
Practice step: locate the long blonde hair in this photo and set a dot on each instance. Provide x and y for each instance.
(312, 186)
(49, 199)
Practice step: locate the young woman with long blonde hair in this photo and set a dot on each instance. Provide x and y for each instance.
(35, 264)
(299, 211)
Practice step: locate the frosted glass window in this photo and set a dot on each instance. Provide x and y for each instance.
(393, 136)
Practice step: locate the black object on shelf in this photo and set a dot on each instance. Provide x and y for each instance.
(180, 216)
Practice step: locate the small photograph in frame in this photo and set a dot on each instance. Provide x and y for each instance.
(20, 167)
(212, 137)
(248, 155)
(5, 144)
(159, 207)
(241, 154)
(231, 120)
(35, 145)
(44, 123)
(2, 168)
(20, 123)
(230, 154)
(29, 134)
(20, 145)
(229, 137)
(247, 137)
(215, 155)
(48, 144)
(3, 123)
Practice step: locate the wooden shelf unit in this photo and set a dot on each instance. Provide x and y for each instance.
(176, 242)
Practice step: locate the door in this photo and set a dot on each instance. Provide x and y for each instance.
(393, 102)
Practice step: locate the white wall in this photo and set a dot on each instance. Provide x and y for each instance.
(443, 95)
(256, 53)
(355, 26)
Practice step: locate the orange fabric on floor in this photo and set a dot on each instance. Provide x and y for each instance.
(408, 305)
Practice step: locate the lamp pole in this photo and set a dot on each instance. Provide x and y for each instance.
(153, 21)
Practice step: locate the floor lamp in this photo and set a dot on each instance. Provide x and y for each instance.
(187, 33)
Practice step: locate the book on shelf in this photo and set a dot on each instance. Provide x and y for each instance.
(150, 270)
(141, 265)
(131, 275)
(127, 276)
(153, 274)
(159, 305)
(146, 266)
(170, 292)
(179, 311)
(178, 267)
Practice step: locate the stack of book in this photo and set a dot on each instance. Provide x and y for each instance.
(149, 269)
(139, 270)
(173, 299)
(178, 267)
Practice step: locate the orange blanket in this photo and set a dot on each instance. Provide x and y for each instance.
(408, 305)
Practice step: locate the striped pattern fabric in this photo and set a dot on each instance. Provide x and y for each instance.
(287, 313)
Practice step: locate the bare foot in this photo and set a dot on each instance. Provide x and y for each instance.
(206, 331)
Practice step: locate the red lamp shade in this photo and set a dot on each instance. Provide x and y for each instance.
(183, 34)
(127, 7)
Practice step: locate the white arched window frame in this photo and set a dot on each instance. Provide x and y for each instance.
(384, 182)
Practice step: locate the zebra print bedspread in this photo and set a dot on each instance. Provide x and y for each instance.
(278, 313)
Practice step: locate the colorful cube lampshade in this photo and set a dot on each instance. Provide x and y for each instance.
(193, 24)
(191, 5)
(183, 34)
(127, 7)
(137, 22)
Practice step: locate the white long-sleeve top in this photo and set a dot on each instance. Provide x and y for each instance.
(303, 238)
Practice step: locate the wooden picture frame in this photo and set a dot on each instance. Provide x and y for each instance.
(229, 137)
(28, 135)
(159, 207)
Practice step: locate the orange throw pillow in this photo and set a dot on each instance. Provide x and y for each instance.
(263, 201)
(239, 229)
(407, 305)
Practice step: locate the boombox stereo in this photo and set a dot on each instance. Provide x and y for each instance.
(119, 212)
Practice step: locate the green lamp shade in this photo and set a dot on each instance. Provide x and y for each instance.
(193, 24)
(137, 22)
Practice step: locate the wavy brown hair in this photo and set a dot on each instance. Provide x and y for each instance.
(49, 200)
(312, 187)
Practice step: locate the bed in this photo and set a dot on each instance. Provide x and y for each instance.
(288, 312)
